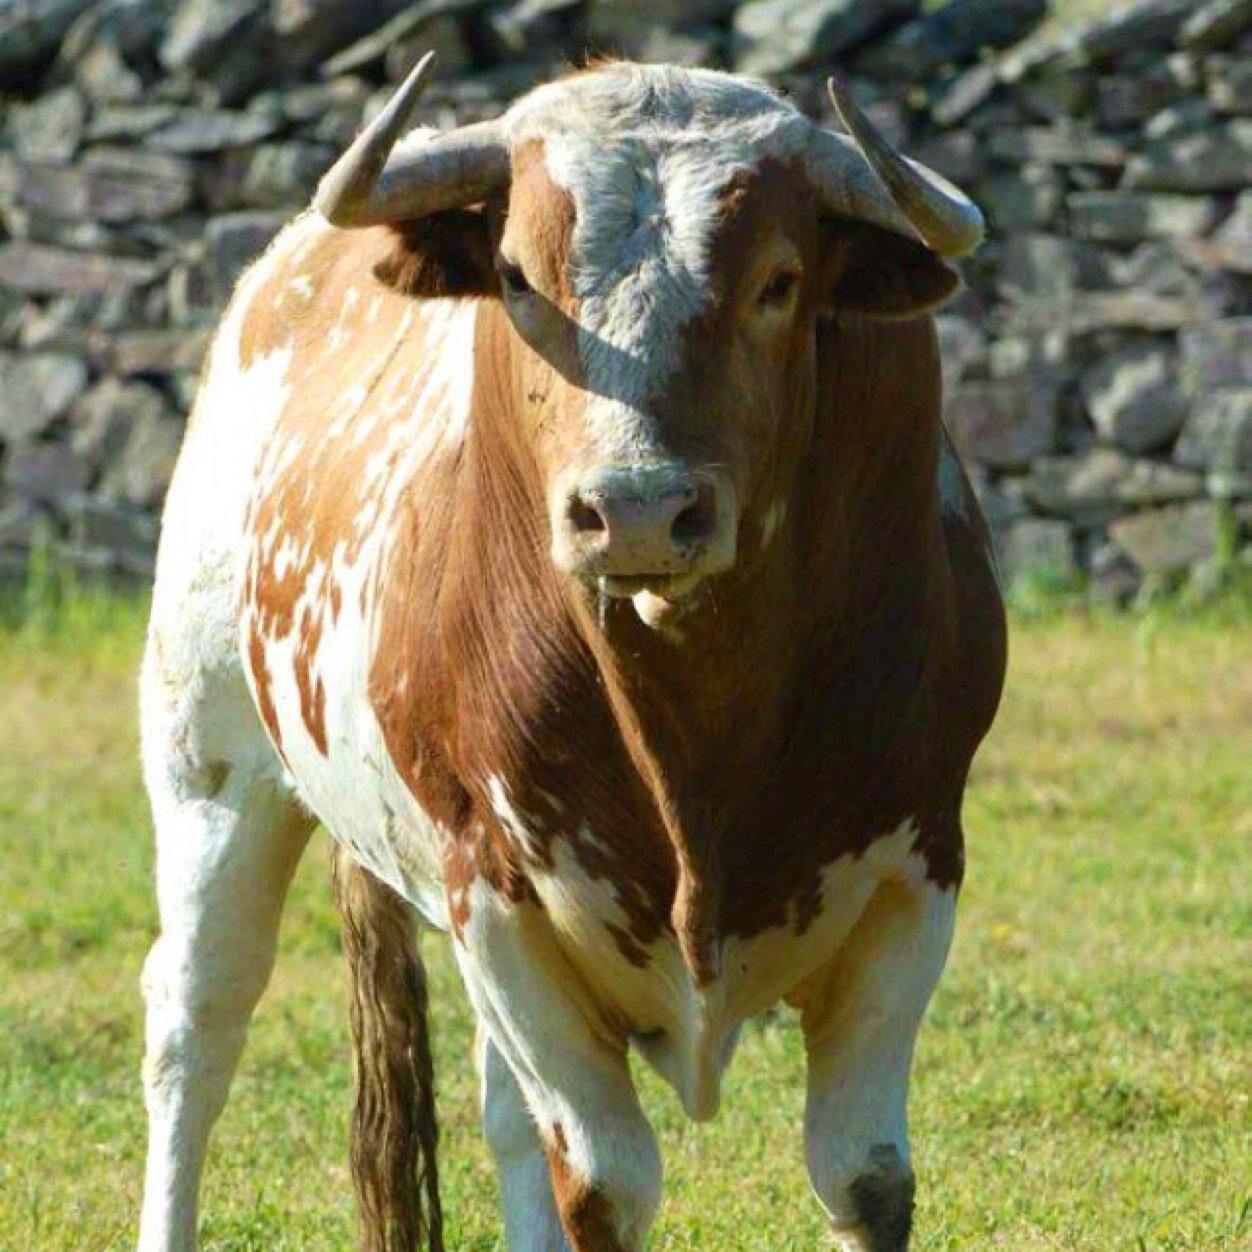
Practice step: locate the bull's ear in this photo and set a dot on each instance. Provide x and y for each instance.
(445, 254)
(881, 274)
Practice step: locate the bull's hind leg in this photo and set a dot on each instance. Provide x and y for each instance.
(860, 1022)
(228, 840)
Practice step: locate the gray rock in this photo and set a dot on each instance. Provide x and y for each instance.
(234, 240)
(962, 346)
(1125, 100)
(133, 28)
(228, 43)
(30, 35)
(531, 24)
(1134, 398)
(1128, 217)
(1002, 424)
(1147, 483)
(447, 38)
(1236, 230)
(1209, 160)
(957, 155)
(1101, 484)
(311, 102)
(1229, 83)
(282, 175)
(44, 473)
(36, 389)
(104, 75)
(1136, 27)
(1218, 433)
(1054, 93)
(112, 535)
(309, 31)
(49, 128)
(1167, 541)
(624, 27)
(43, 269)
(1002, 500)
(1079, 489)
(124, 123)
(140, 472)
(191, 293)
(1217, 25)
(1115, 580)
(1036, 546)
(967, 92)
(954, 34)
(102, 419)
(1094, 312)
(1025, 200)
(1217, 354)
(154, 352)
(196, 131)
(1050, 268)
(1062, 144)
(437, 23)
(1184, 118)
(774, 36)
(23, 525)
(90, 193)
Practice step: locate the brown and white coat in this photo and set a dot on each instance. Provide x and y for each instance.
(649, 791)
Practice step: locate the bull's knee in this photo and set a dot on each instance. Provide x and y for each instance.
(607, 1189)
(870, 1207)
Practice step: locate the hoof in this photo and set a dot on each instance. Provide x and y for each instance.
(883, 1199)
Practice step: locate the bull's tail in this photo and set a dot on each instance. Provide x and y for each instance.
(394, 1129)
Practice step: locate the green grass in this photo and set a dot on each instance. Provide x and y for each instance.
(1082, 1082)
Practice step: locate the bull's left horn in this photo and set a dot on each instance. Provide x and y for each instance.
(375, 183)
(947, 221)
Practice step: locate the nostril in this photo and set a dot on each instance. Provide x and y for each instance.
(585, 518)
(695, 523)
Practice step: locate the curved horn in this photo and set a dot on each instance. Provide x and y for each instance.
(375, 182)
(917, 201)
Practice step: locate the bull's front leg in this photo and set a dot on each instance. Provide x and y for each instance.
(603, 1169)
(861, 1018)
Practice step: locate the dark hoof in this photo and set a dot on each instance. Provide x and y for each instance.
(884, 1201)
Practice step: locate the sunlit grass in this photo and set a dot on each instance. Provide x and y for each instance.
(1082, 1082)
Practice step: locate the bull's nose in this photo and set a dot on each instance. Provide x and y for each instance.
(636, 522)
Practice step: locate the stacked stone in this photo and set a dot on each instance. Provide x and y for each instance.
(1100, 365)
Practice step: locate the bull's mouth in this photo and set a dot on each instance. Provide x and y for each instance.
(658, 599)
(627, 586)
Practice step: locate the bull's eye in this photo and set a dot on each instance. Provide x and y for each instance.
(780, 287)
(514, 279)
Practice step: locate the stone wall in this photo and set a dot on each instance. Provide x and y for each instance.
(1099, 365)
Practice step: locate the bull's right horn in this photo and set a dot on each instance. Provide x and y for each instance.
(375, 182)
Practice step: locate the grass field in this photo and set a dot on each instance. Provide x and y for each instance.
(1083, 1081)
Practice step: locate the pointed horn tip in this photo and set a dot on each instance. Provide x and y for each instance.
(850, 114)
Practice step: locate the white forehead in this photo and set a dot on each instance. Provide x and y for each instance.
(646, 153)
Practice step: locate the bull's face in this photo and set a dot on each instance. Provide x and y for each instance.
(663, 245)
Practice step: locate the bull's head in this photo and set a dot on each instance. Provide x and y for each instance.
(663, 242)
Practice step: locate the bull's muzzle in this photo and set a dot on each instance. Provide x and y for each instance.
(631, 528)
